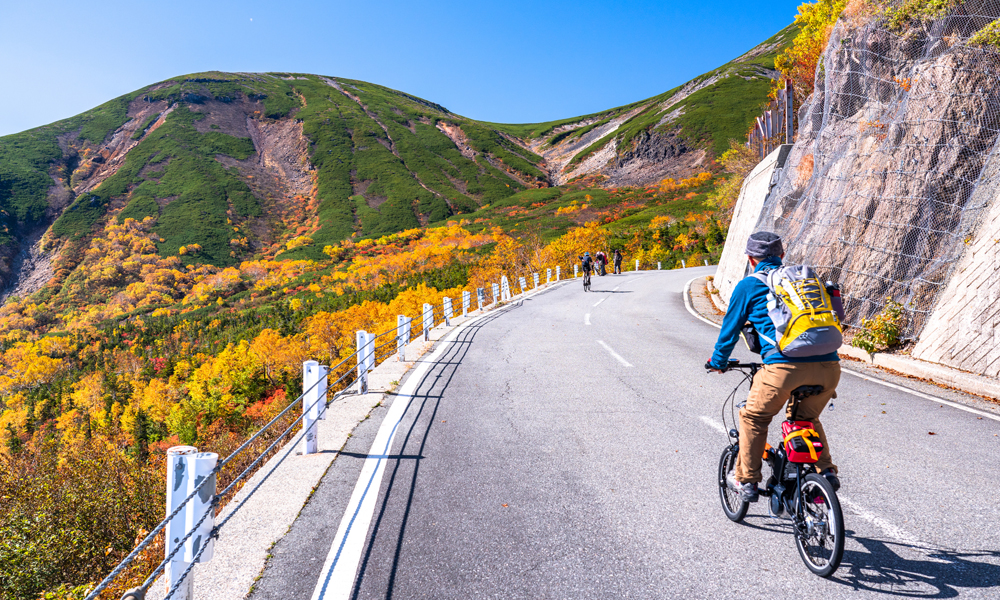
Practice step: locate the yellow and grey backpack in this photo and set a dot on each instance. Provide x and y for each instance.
(805, 321)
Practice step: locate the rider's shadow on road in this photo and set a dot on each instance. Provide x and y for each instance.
(936, 574)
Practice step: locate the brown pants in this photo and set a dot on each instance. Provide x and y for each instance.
(771, 388)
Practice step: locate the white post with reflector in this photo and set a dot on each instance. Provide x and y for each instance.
(178, 474)
(402, 335)
(428, 322)
(202, 468)
(310, 405)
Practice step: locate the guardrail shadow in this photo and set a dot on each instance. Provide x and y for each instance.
(426, 399)
(884, 570)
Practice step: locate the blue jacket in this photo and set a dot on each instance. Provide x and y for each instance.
(749, 303)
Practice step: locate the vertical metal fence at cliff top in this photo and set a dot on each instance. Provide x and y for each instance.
(776, 126)
(193, 502)
(895, 158)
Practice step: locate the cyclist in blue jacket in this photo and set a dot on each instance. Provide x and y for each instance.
(773, 384)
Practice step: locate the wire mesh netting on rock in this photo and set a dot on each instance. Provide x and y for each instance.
(895, 159)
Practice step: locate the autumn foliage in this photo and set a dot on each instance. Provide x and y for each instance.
(128, 352)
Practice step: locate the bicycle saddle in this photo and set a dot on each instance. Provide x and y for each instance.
(804, 391)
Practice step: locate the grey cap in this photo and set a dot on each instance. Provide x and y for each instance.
(763, 244)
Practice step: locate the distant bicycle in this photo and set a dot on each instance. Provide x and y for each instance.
(795, 490)
(586, 281)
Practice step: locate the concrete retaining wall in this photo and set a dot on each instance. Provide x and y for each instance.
(756, 187)
(963, 330)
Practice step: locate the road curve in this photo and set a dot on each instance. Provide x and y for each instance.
(566, 447)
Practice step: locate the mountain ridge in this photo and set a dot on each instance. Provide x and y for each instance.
(266, 164)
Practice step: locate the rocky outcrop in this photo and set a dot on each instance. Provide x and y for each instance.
(654, 156)
(891, 169)
(893, 185)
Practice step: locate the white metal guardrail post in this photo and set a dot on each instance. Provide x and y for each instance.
(524, 284)
(447, 311)
(201, 467)
(480, 297)
(548, 276)
(504, 289)
(402, 335)
(534, 276)
(428, 321)
(637, 264)
(706, 262)
(657, 265)
(496, 293)
(466, 301)
(366, 358)
(322, 386)
(683, 264)
(310, 405)
(576, 268)
(178, 474)
(558, 272)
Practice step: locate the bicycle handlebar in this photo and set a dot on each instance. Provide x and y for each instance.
(734, 364)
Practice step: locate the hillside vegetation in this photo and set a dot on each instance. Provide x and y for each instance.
(203, 236)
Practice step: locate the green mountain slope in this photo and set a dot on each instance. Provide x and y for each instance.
(236, 165)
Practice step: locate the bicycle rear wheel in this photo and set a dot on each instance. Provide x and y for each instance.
(819, 532)
(734, 506)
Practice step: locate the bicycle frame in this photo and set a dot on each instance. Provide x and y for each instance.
(776, 491)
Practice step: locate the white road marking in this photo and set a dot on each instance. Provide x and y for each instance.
(341, 567)
(714, 424)
(586, 319)
(687, 305)
(616, 288)
(924, 396)
(888, 528)
(690, 308)
(601, 300)
(614, 354)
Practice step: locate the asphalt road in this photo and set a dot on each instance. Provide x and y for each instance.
(567, 447)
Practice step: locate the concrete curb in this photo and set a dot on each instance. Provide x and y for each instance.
(288, 479)
(979, 385)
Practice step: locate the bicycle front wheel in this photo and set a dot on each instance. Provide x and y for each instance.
(734, 506)
(819, 525)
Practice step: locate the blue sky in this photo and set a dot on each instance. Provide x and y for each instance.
(514, 62)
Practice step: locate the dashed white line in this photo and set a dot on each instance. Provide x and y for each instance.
(888, 528)
(614, 354)
(601, 300)
(714, 425)
(586, 319)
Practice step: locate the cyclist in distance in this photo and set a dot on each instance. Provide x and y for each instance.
(586, 263)
(773, 384)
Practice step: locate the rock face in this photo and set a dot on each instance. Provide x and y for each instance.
(895, 161)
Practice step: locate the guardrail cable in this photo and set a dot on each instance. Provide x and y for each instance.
(150, 537)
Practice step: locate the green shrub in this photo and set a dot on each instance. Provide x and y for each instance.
(883, 331)
(988, 36)
(912, 12)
